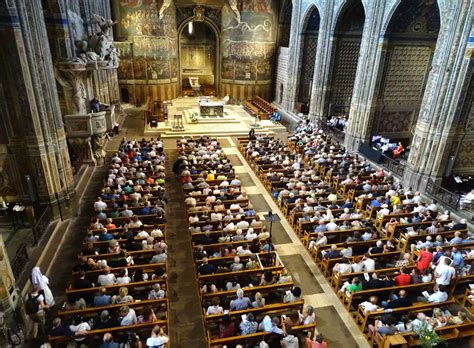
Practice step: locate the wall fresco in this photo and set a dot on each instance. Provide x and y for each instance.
(150, 28)
(248, 40)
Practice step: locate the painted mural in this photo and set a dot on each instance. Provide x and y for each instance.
(248, 40)
(150, 26)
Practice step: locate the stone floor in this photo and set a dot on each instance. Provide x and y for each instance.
(186, 328)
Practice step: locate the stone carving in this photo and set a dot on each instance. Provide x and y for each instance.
(74, 86)
(98, 143)
(98, 48)
(199, 13)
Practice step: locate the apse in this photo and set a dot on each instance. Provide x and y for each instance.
(198, 47)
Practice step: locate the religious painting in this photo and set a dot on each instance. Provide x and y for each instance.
(139, 68)
(155, 18)
(248, 39)
(125, 69)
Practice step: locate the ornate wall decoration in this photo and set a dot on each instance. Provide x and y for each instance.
(248, 41)
(151, 27)
(465, 157)
(394, 121)
(406, 74)
(345, 66)
(307, 68)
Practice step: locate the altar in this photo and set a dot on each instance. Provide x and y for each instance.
(211, 108)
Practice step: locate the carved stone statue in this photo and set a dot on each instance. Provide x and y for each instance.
(73, 84)
(98, 143)
(97, 47)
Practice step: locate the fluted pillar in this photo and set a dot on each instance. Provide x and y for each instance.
(289, 92)
(451, 69)
(30, 108)
(369, 73)
(324, 54)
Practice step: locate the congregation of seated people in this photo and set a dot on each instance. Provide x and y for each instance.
(380, 245)
(247, 294)
(118, 294)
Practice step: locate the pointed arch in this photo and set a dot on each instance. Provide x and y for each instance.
(347, 38)
(410, 38)
(309, 41)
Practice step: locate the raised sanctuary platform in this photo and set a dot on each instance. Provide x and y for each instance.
(235, 121)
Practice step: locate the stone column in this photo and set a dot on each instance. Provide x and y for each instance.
(34, 126)
(445, 88)
(369, 74)
(289, 93)
(324, 54)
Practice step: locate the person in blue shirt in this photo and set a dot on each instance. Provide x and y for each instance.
(458, 259)
(241, 302)
(105, 235)
(375, 203)
(347, 204)
(102, 299)
(146, 210)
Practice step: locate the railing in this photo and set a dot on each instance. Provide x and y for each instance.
(19, 261)
(396, 167)
(449, 198)
(42, 224)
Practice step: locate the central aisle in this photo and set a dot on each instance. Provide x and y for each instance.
(186, 327)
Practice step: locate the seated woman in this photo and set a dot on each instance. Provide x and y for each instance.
(148, 315)
(123, 297)
(398, 150)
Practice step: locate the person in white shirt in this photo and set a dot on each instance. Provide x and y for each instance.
(123, 278)
(128, 316)
(369, 264)
(214, 308)
(243, 224)
(433, 207)
(106, 279)
(370, 305)
(332, 226)
(251, 235)
(320, 241)
(439, 295)
(346, 250)
(190, 201)
(193, 219)
(99, 205)
(79, 329)
(343, 267)
(444, 272)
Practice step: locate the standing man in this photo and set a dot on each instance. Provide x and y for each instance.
(35, 308)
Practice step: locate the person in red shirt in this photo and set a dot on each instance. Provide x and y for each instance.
(424, 259)
(403, 278)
